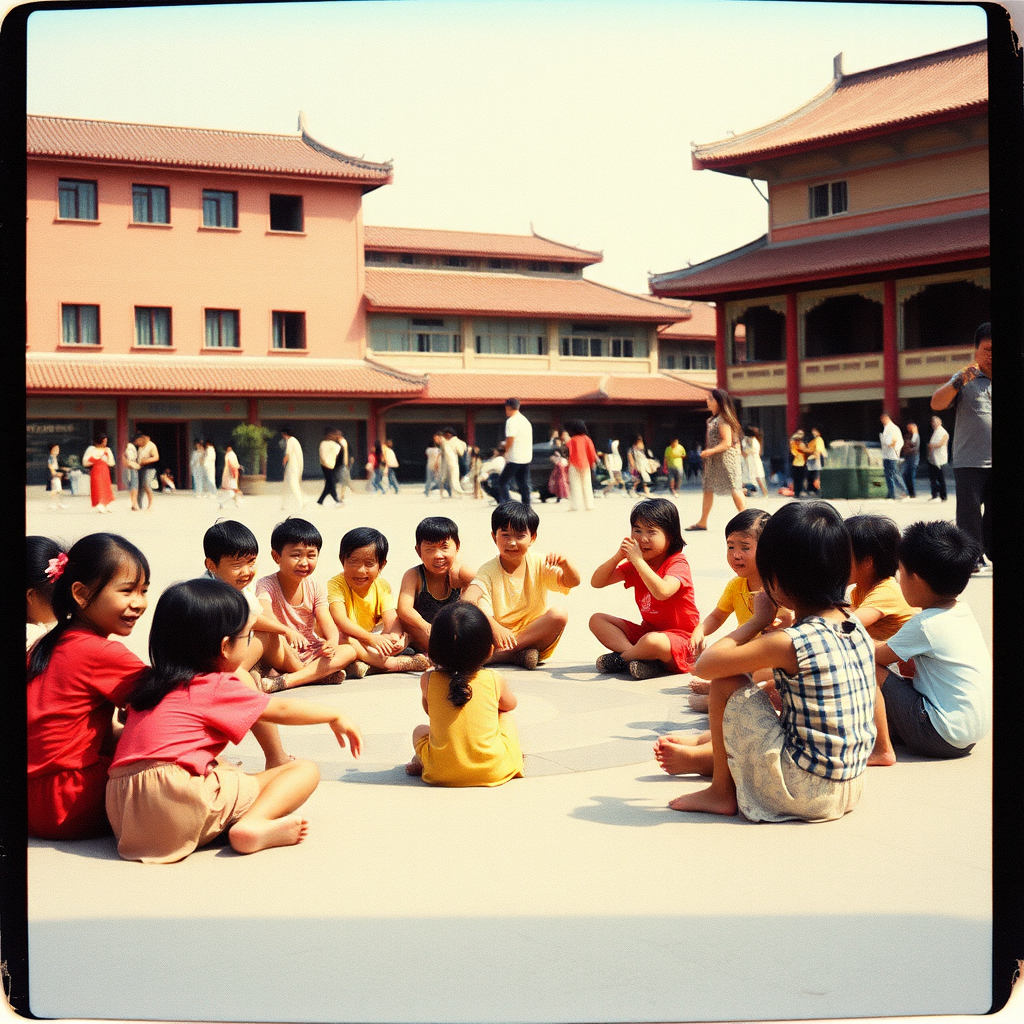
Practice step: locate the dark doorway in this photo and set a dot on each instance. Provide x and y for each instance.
(843, 325)
(171, 440)
(945, 314)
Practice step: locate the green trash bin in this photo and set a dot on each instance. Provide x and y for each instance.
(853, 471)
(839, 483)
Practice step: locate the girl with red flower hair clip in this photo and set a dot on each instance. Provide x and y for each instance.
(44, 562)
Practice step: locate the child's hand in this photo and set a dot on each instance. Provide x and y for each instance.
(295, 639)
(697, 641)
(631, 550)
(504, 639)
(327, 649)
(554, 560)
(344, 730)
(387, 644)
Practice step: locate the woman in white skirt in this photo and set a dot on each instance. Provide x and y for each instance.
(751, 447)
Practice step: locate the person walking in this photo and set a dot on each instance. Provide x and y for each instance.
(721, 455)
(752, 448)
(675, 456)
(911, 458)
(518, 453)
(970, 390)
(798, 462)
(938, 456)
(330, 449)
(210, 467)
(293, 465)
(149, 456)
(892, 443)
(639, 459)
(391, 462)
(131, 474)
(99, 460)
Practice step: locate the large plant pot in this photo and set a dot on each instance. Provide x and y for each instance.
(253, 483)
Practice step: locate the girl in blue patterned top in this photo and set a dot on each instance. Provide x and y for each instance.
(807, 763)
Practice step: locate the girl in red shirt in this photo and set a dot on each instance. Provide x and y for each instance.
(76, 678)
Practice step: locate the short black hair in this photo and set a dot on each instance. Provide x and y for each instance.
(983, 333)
(512, 403)
(229, 538)
(875, 537)
(663, 514)
(750, 521)
(436, 530)
(942, 554)
(804, 551)
(295, 531)
(363, 537)
(514, 515)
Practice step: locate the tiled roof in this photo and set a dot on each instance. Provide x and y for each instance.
(70, 138)
(759, 265)
(700, 324)
(951, 82)
(461, 292)
(560, 388)
(147, 373)
(474, 243)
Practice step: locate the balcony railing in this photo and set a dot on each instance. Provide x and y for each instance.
(841, 372)
(933, 364)
(755, 378)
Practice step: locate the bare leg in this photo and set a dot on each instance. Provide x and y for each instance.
(707, 500)
(266, 734)
(883, 753)
(319, 668)
(415, 766)
(739, 500)
(685, 755)
(720, 796)
(269, 822)
(539, 634)
(609, 630)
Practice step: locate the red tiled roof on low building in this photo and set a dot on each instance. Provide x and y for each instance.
(69, 138)
(560, 388)
(699, 325)
(938, 86)
(150, 374)
(454, 293)
(759, 266)
(473, 243)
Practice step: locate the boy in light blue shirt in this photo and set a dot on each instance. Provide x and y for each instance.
(947, 706)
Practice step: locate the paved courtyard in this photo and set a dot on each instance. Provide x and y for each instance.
(573, 894)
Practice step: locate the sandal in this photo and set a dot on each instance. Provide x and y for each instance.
(695, 527)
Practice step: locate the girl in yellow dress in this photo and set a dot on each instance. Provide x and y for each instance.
(471, 739)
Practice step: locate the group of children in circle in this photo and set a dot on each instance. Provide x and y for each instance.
(794, 695)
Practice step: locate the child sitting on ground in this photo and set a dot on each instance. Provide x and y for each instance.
(511, 590)
(44, 561)
(741, 534)
(310, 649)
(946, 708)
(435, 583)
(471, 739)
(651, 562)
(167, 793)
(364, 610)
(230, 548)
(807, 763)
(876, 598)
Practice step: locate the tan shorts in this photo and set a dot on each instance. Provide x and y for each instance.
(160, 812)
(770, 786)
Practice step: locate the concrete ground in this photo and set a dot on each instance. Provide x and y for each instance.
(573, 894)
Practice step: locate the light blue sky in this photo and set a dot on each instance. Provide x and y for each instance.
(575, 116)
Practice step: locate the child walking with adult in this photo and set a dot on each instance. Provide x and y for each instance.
(721, 455)
(471, 739)
(168, 793)
(808, 762)
(650, 561)
(77, 676)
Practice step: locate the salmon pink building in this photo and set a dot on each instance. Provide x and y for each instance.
(866, 290)
(183, 280)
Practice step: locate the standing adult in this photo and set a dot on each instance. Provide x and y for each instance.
(815, 449)
(391, 462)
(970, 389)
(751, 447)
(330, 449)
(292, 469)
(797, 462)
(210, 466)
(433, 476)
(131, 473)
(938, 456)
(675, 455)
(637, 459)
(911, 458)
(195, 464)
(149, 456)
(343, 472)
(518, 453)
(721, 455)
(378, 468)
(892, 444)
(99, 460)
(582, 460)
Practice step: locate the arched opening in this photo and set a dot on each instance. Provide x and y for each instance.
(945, 314)
(843, 325)
(765, 336)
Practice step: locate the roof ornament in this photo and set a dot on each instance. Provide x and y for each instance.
(837, 67)
(302, 122)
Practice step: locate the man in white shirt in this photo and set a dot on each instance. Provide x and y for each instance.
(518, 453)
(938, 456)
(329, 451)
(892, 442)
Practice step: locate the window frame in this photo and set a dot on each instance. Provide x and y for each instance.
(78, 307)
(153, 314)
(208, 317)
(148, 192)
(93, 188)
(281, 326)
(830, 197)
(217, 195)
(296, 202)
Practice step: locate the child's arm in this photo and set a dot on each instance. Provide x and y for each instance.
(884, 654)
(608, 572)
(424, 679)
(711, 624)
(868, 616)
(660, 588)
(406, 602)
(268, 622)
(285, 711)
(385, 645)
(568, 574)
(504, 638)
(327, 629)
(460, 576)
(506, 698)
(744, 651)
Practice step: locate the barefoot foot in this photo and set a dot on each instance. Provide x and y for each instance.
(262, 834)
(414, 767)
(882, 757)
(707, 801)
(681, 756)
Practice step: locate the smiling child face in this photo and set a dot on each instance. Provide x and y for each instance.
(296, 561)
(512, 545)
(437, 556)
(361, 568)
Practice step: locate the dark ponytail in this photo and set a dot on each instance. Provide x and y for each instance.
(460, 642)
(93, 562)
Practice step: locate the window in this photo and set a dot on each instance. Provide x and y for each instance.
(80, 325)
(150, 204)
(376, 257)
(76, 199)
(579, 344)
(500, 264)
(220, 209)
(152, 327)
(540, 265)
(222, 328)
(285, 213)
(827, 199)
(458, 261)
(289, 330)
(408, 258)
(510, 337)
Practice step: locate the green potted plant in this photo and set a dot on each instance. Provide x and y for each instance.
(249, 441)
